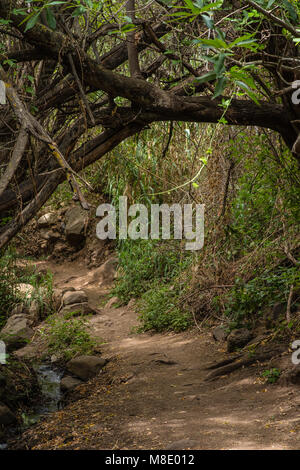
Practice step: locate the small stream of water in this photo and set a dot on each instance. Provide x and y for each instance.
(49, 378)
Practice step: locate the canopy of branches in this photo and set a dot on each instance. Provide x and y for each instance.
(81, 76)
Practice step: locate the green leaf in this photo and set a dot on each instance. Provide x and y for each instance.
(217, 43)
(19, 11)
(291, 10)
(126, 28)
(208, 77)
(55, 3)
(32, 21)
(248, 90)
(10, 62)
(219, 64)
(3, 21)
(79, 11)
(221, 84)
(190, 5)
(208, 21)
(241, 75)
(242, 41)
(30, 90)
(50, 18)
(168, 52)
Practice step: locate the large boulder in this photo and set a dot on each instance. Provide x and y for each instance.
(25, 290)
(68, 383)
(76, 221)
(79, 310)
(68, 289)
(17, 332)
(238, 339)
(275, 314)
(31, 306)
(57, 298)
(219, 333)
(6, 416)
(75, 297)
(86, 367)
(58, 294)
(46, 220)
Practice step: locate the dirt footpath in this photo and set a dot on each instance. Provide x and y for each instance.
(152, 393)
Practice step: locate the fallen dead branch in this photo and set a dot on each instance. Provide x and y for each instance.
(243, 361)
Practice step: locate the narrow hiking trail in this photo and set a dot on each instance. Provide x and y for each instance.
(152, 393)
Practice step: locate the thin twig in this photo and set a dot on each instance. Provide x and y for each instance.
(84, 98)
(169, 140)
(288, 308)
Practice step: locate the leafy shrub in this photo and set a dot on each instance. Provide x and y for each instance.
(68, 337)
(144, 261)
(271, 375)
(247, 301)
(266, 194)
(12, 274)
(43, 291)
(159, 311)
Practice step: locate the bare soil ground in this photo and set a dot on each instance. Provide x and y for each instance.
(152, 393)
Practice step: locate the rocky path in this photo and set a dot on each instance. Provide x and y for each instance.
(152, 393)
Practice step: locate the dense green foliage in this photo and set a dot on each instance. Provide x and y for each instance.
(160, 312)
(267, 194)
(247, 301)
(271, 375)
(263, 226)
(143, 262)
(13, 273)
(68, 337)
(261, 219)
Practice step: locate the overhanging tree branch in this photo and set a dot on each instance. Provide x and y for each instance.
(68, 66)
(152, 98)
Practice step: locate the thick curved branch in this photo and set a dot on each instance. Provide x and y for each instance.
(25, 55)
(105, 143)
(274, 18)
(16, 157)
